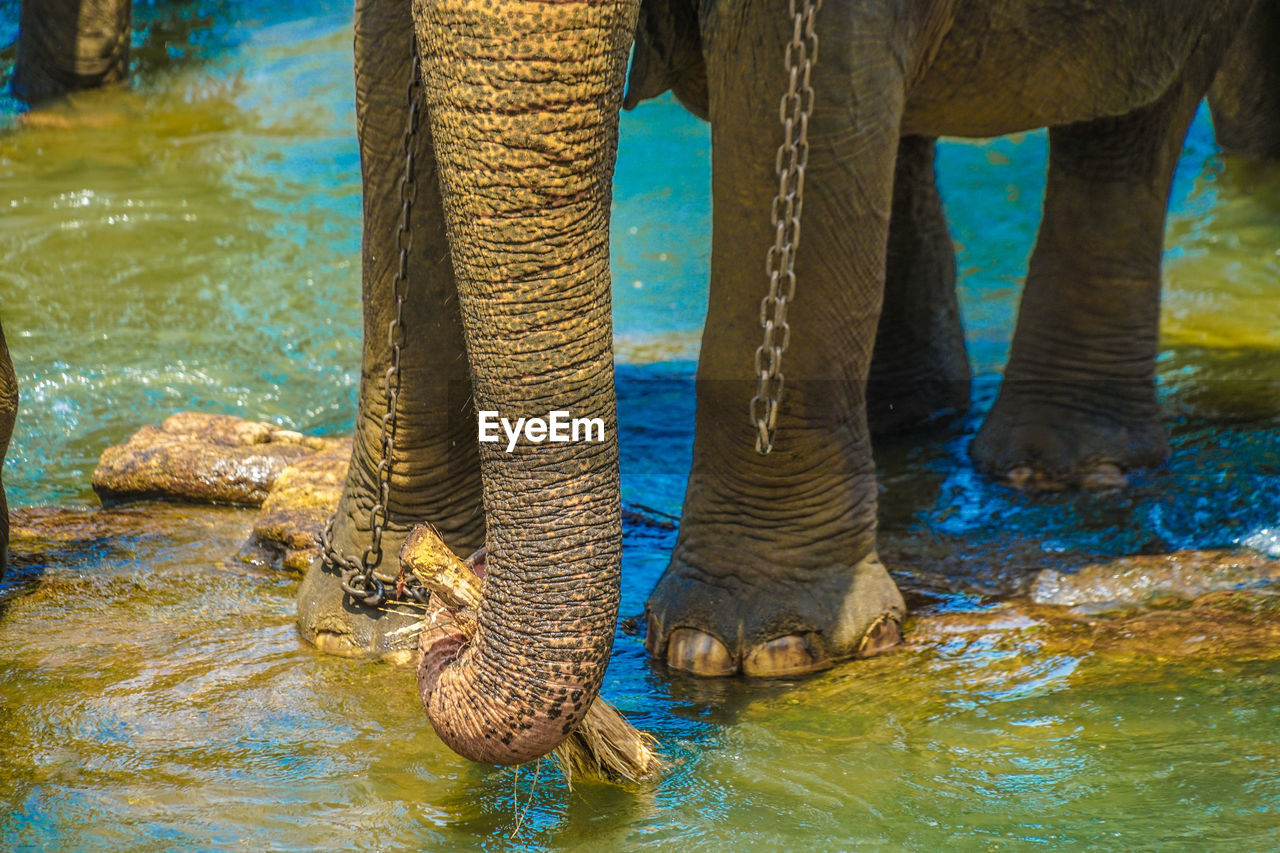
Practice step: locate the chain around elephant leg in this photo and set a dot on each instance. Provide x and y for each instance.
(780, 261)
(360, 577)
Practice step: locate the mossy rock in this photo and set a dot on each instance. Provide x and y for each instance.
(287, 531)
(202, 458)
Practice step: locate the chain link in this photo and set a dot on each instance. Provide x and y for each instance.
(780, 262)
(360, 578)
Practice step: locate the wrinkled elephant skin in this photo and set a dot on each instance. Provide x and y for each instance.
(8, 413)
(506, 306)
(775, 569)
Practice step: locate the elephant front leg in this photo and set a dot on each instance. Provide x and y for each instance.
(919, 368)
(775, 569)
(1078, 406)
(65, 45)
(8, 413)
(434, 465)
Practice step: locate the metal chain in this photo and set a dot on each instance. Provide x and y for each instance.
(360, 578)
(780, 262)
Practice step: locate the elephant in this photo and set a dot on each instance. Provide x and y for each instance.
(505, 306)
(1245, 97)
(66, 45)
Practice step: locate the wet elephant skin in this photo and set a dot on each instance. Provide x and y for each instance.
(775, 569)
(8, 413)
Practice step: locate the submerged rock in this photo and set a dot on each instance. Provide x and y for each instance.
(1129, 581)
(204, 458)
(1227, 624)
(41, 535)
(287, 531)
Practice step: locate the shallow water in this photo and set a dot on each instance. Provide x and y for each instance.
(193, 243)
(153, 695)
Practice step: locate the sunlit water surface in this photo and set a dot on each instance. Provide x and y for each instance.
(193, 243)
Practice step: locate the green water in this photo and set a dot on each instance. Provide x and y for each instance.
(193, 243)
(154, 696)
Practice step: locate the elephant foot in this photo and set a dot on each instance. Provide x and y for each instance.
(772, 628)
(1050, 448)
(333, 623)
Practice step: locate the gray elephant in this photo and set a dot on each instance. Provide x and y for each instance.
(1245, 98)
(65, 45)
(505, 298)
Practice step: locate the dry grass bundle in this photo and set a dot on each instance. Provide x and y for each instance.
(604, 746)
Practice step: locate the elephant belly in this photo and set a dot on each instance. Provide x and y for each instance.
(1005, 66)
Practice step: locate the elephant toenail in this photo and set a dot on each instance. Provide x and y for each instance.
(884, 634)
(1019, 477)
(701, 654)
(784, 656)
(1028, 479)
(652, 636)
(340, 644)
(1104, 475)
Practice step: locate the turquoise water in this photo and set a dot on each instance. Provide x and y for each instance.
(193, 243)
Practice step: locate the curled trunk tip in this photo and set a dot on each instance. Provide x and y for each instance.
(603, 745)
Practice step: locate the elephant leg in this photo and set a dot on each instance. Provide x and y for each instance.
(8, 413)
(775, 570)
(919, 368)
(1245, 97)
(435, 473)
(65, 45)
(1077, 406)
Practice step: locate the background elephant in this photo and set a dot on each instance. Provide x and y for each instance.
(65, 45)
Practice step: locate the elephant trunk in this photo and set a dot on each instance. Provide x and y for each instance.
(523, 101)
(8, 413)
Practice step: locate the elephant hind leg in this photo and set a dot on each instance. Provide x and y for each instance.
(1077, 407)
(1245, 98)
(65, 45)
(668, 55)
(8, 413)
(919, 368)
